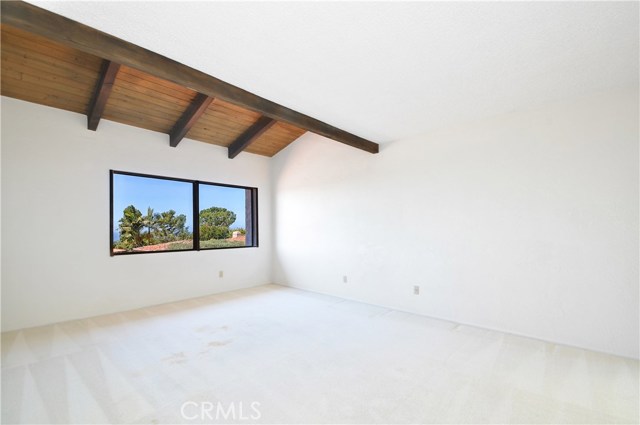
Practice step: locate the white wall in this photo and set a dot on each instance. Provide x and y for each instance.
(55, 218)
(526, 223)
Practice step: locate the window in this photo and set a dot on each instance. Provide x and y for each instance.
(161, 214)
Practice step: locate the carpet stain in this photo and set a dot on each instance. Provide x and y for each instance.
(210, 329)
(176, 358)
(213, 344)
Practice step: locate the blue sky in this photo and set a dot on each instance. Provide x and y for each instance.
(163, 195)
(230, 198)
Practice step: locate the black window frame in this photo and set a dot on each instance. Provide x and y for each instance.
(252, 210)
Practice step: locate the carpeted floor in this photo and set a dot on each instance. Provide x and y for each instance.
(280, 355)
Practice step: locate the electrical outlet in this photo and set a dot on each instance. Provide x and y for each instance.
(416, 290)
(221, 274)
(344, 279)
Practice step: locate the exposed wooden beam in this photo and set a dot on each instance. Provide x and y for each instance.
(101, 93)
(189, 118)
(250, 135)
(73, 34)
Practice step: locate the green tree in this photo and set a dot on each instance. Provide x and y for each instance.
(171, 227)
(215, 222)
(130, 226)
(149, 222)
(138, 230)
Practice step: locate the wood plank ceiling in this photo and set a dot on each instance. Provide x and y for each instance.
(38, 70)
(54, 60)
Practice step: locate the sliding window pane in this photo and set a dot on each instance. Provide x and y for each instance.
(151, 214)
(225, 216)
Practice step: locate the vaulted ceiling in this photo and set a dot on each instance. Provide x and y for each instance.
(40, 71)
(51, 60)
(379, 70)
(388, 70)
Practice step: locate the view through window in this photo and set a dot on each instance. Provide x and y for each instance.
(156, 214)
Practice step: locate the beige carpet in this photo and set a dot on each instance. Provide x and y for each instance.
(273, 354)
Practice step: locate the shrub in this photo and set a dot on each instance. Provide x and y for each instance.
(214, 232)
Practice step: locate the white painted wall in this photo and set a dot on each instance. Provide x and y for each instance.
(526, 223)
(55, 218)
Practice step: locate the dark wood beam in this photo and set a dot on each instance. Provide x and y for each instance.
(101, 93)
(73, 34)
(189, 118)
(250, 135)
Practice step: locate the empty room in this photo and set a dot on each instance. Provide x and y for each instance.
(320, 212)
